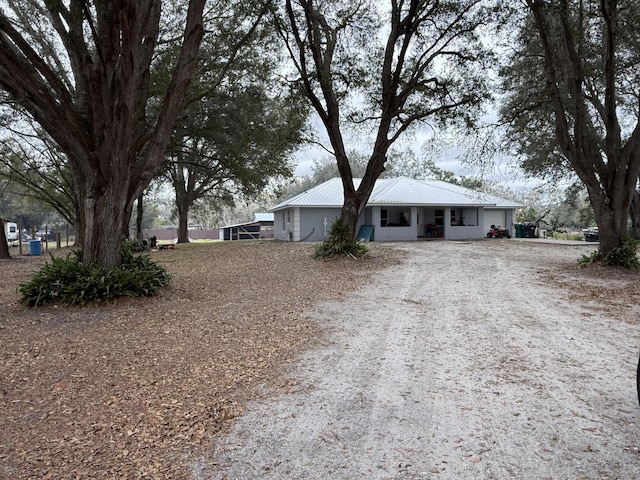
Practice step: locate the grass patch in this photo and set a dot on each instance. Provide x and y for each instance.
(577, 236)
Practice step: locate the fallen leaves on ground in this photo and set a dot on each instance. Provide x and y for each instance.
(133, 388)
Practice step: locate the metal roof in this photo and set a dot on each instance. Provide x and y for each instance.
(263, 217)
(398, 191)
(257, 218)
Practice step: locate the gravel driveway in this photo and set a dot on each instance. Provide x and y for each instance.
(468, 360)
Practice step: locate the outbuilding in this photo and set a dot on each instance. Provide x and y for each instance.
(399, 209)
(261, 227)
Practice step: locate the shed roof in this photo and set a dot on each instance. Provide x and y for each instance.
(263, 217)
(257, 218)
(398, 191)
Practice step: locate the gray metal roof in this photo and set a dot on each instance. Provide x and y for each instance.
(263, 217)
(257, 217)
(398, 191)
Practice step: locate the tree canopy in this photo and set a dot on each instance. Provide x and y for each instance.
(242, 120)
(37, 170)
(386, 67)
(573, 101)
(82, 70)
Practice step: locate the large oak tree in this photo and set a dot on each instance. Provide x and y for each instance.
(573, 101)
(82, 70)
(386, 66)
(242, 120)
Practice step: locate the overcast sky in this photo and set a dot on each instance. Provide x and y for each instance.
(423, 144)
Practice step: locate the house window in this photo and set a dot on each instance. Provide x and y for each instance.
(394, 217)
(454, 218)
(288, 216)
(439, 218)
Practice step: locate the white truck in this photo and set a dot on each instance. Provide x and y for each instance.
(11, 231)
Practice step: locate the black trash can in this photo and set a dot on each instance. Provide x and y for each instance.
(529, 230)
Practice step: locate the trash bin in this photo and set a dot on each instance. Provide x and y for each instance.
(519, 230)
(35, 248)
(529, 230)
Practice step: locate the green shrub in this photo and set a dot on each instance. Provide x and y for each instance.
(622, 256)
(340, 243)
(586, 260)
(68, 280)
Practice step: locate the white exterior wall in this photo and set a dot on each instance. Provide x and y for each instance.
(312, 223)
(303, 224)
(395, 233)
(473, 228)
(510, 221)
(463, 232)
(308, 223)
(11, 231)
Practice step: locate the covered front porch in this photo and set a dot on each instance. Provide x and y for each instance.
(407, 223)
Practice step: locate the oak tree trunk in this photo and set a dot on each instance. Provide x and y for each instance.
(139, 218)
(106, 208)
(611, 217)
(351, 209)
(607, 165)
(4, 246)
(634, 213)
(112, 131)
(356, 199)
(183, 225)
(183, 187)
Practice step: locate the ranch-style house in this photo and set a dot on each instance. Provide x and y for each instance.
(399, 209)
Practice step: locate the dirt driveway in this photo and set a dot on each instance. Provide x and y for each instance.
(468, 360)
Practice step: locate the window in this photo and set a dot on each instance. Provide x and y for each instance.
(395, 217)
(439, 217)
(454, 219)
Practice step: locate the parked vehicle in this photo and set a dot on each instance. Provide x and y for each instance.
(50, 235)
(11, 231)
(591, 234)
(498, 232)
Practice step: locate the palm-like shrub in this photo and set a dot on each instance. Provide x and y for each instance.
(340, 242)
(68, 280)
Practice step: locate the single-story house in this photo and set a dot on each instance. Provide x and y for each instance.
(261, 227)
(399, 209)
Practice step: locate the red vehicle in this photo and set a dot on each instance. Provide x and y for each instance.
(498, 232)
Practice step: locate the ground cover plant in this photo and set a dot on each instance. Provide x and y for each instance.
(339, 242)
(625, 256)
(70, 281)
